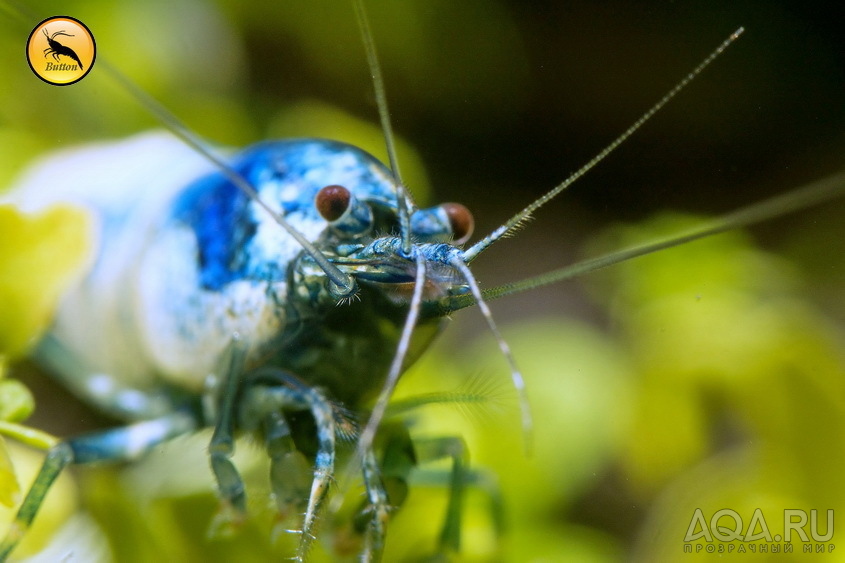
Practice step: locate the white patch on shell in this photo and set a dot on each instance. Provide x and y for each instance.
(185, 328)
(113, 181)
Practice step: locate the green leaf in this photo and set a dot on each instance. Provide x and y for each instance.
(10, 490)
(40, 256)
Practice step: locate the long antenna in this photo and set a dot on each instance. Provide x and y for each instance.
(344, 285)
(368, 434)
(517, 220)
(403, 197)
(812, 194)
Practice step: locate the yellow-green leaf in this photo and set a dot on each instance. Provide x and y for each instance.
(16, 402)
(39, 256)
(9, 488)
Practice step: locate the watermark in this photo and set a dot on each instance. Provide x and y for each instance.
(61, 50)
(726, 531)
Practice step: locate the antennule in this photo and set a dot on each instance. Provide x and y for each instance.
(471, 253)
(516, 374)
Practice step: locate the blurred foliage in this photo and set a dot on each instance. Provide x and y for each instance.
(708, 376)
(740, 388)
(39, 257)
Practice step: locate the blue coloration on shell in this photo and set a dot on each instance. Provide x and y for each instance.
(287, 175)
(216, 210)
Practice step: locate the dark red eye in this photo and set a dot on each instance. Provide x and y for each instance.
(461, 220)
(332, 202)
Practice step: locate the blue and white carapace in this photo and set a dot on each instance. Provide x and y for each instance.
(186, 259)
(197, 303)
(294, 277)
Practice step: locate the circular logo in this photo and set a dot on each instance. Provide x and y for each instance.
(61, 50)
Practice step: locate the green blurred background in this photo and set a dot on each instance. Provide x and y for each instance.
(709, 376)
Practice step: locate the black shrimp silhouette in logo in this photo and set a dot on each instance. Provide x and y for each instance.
(57, 48)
